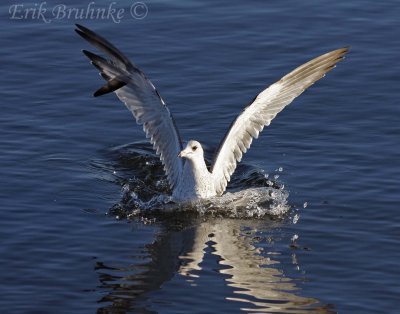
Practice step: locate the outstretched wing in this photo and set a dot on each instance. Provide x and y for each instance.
(141, 97)
(262, 110)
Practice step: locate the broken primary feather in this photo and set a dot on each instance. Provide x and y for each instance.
(185, 168)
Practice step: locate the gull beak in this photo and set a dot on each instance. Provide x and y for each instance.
(182, 154)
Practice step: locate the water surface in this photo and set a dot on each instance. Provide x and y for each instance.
(66, 159)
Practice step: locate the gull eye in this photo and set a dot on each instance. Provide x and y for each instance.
(194, 148)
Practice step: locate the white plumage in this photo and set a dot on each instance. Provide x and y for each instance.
(185, 168)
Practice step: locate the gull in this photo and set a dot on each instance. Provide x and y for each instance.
(185, 167)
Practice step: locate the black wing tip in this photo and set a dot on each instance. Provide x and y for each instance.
(99, 92)
(82, 29)
(85, 32)
(90, 54)
(111, 86)
(94, 59)
(85, 35)
(79, 32)
(103, 44)
(87, 53)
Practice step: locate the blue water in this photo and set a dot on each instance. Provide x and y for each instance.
(63, 154)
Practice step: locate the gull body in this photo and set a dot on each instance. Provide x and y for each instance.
(185, 167)
(197, 182)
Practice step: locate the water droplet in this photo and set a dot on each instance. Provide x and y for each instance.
(125, 187)
(295, 237)
(296, 218)
(280, 169)
(133, 195)
(276, 176)
(305, 204)
(114, 172)
(294, 259)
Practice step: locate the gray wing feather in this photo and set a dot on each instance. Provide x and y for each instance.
(141, 97)
(262, 110)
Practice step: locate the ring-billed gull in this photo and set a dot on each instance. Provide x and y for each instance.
(185, 167)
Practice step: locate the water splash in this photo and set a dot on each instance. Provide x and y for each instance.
(145, 190)
(249, 203)
(296, 218)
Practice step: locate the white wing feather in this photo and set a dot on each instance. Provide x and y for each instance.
(262, 110)
(141, 97)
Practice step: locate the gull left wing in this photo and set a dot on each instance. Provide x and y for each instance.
(263, 110)
(141, 97)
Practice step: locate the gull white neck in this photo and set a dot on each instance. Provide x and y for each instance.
(196, 181)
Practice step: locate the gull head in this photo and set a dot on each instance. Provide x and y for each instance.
(192, 151)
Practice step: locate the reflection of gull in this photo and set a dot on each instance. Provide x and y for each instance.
(188, 175)
(180, 268)
(254, 278)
